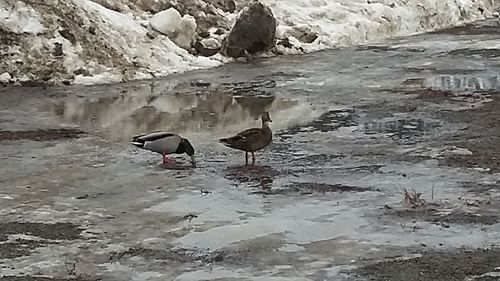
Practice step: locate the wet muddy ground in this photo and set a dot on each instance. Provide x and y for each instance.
(384, 166)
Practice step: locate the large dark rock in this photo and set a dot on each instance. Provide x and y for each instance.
(254, 31)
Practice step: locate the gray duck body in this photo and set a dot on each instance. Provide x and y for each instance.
(164, 143)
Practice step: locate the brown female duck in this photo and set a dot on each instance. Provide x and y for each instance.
(252, 139)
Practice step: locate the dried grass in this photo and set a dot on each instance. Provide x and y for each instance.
(413, 199)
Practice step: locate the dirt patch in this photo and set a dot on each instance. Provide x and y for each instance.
(386, 48)
(436, 216)
(478, 125)
(313, 187)
(482, 189)
(41, 135)
(317, 159)
(439, 95)
(482, 134)
(435, 266)
(304, 188)
(487, 53)
(431, 94)
(44, 278)
(171, 255)
(19, 248)
(56, 231)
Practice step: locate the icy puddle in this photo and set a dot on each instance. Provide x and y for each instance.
(377, 163)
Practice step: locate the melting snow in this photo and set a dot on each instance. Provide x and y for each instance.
(20, 18)
(139, 55)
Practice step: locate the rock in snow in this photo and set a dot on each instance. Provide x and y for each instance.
(207, 47)
(253, 32)
(104, 41)
(181, 30)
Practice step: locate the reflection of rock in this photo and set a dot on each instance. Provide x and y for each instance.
(255, 104)
(253, 32)
(190, 108)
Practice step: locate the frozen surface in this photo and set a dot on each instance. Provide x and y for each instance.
(353, 128)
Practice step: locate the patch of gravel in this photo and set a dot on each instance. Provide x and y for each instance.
(40, 135)
(44, 278)
(305, 188)
(175, 255)
(56, 231)
(434, 215)
(454, 266)
(19, 248)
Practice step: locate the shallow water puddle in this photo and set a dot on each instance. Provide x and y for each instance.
(324, 197)
(122, 115)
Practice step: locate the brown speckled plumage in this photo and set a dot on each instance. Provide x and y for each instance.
(252, 139)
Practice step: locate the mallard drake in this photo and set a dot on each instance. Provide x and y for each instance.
(252, 139)
(165, 143)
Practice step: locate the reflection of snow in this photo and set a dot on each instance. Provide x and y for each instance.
(400, 126)
(463, 82)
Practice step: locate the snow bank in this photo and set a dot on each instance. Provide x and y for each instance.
(82, 41)
(342, 23)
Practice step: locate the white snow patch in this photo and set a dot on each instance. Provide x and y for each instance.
(456, 151)
(346, 22)
(5, 77)
(19, 18)
(103, 78)
(158, 57)
(7, 197)
(14, 237)
(181, 30)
